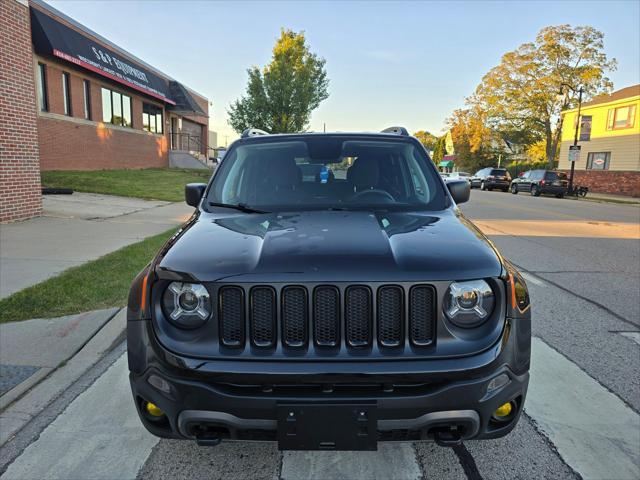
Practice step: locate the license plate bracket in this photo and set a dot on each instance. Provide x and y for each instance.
(340, 426)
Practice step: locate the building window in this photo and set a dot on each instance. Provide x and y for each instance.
(66, 93)
(621, 117)
(598, 160)
(43, 101)
(116, 108)
(152, 118)
(86, 89)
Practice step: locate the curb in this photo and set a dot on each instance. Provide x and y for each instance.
(40, 392)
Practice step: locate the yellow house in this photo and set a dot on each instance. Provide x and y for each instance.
(609, 137)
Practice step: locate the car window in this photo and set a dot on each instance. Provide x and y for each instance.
(551, 176)
(537, 175)
(332, 171)
(498, 171)
(526, 174)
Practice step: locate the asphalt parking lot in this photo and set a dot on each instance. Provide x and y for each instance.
(581, 261)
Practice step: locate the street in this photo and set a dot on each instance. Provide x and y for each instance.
(581, 262)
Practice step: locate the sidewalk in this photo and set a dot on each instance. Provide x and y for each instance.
(75, 229)
(607, 197)
(41, 358)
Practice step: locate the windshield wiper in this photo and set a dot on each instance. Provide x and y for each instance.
(240, 206)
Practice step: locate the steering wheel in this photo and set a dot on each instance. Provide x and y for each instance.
(382, 194)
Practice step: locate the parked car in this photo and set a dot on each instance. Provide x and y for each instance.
(490, 178)
(328, 316)
(541, 181)
(458, 176)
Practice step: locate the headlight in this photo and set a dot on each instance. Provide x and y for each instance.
(468, 304)
(187, 305)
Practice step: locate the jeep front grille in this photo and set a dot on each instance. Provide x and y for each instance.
(295, 316)
(231, 311)
(421, 298)
(326, 316)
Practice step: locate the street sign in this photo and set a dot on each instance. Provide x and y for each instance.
(574, 153)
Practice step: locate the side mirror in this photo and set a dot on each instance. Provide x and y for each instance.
(193, 193)
(460, 190)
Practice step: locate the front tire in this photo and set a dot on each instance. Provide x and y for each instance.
(514, 189)
(535, 191)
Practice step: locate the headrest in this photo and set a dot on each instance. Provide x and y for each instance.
(285, 172)
(364, 173)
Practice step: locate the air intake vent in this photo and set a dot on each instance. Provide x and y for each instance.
(263, 317)
(358, 316)
(390, 316)
(421, 314)
(231, 310)
(326, 316)
(295, 316)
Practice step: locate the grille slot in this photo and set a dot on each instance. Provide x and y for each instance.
(263, 317)
(358, 316)
(295, 316)
(231, 313)
(326, 316)
(390, 316)
(421, 314)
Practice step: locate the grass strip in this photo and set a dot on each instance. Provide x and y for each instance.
(100, 283)
(151, 183)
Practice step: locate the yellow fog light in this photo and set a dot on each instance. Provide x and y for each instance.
(503, 410)
(153, 410)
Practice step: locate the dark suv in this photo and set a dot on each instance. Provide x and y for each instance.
(490, 178)
(537, 182)
(328, 311)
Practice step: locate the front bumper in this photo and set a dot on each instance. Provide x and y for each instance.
(414, 400)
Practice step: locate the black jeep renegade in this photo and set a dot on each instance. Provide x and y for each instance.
(328, 293)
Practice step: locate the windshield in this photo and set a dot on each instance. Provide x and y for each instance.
(328, 172)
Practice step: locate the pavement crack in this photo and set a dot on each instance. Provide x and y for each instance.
(467, 462)
(548, 442)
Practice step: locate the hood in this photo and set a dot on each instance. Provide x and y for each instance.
(331, 246)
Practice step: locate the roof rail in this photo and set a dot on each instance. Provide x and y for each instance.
(253, 132)
(396, 131)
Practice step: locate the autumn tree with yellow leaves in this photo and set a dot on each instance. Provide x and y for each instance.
(521, 95)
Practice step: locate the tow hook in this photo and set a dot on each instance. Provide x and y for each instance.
(448, 438)
(208, 441)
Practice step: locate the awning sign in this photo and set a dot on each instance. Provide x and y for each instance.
(574, 153)
(51, 37)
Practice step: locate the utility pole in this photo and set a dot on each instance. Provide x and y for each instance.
(580, 91)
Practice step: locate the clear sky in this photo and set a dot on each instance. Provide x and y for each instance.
(389, 63)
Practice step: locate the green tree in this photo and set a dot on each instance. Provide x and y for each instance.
(280, 97)
(439, 151)
(522, 93)
(427, 139)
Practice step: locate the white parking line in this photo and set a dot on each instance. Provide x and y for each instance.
(635, 336)
(594, 432)
(533, 279)
(99, 436)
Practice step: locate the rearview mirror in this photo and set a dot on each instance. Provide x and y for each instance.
(193, 193)
(460, 190)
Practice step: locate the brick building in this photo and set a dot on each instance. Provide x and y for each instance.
(72, 100)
